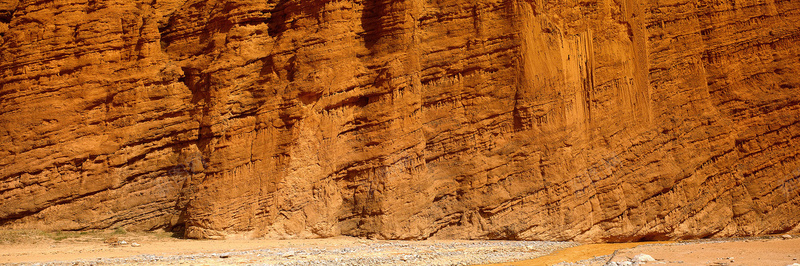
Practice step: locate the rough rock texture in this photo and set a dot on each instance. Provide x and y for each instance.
(594, 120)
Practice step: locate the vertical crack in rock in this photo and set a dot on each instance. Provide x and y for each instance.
(634, 18)
(7, 10)
(586, 42)
(276, 17)
(373, 26)
(6, 15)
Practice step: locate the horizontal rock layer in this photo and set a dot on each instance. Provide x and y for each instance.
(591, 120)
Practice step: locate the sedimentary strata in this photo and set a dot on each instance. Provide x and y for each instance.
(591, 120)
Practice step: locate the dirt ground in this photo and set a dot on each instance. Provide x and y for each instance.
(774, 251)
(103, 248)
(162, 249)
(578, 253)
(769, 250)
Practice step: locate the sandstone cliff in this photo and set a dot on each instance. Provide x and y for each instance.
(594, 120)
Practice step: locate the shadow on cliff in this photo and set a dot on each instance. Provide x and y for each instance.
(371, 22)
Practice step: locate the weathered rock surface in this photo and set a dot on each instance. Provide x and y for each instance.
(504, 119)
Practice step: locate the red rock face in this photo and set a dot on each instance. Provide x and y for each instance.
(595, 120)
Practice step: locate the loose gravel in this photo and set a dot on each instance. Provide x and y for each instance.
(362, 253)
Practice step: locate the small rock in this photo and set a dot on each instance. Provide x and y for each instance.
(122, 242)
(794, 264)
(643, 258)
(224, 255)
(786, 236)
(288, 254)
(134, 244)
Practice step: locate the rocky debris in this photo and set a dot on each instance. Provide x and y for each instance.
(636, 260)
(727, 261)
(288, 254)
(589, 120)
(372, 253)
(116, 242)
(642, 258)
(598, 260)
(111, 241)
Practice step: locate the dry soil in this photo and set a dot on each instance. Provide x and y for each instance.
(161, 249)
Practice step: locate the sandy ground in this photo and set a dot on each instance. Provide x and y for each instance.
(747, 252)
(769, 250)
(154, 250)
(160, 250)
(584, 254)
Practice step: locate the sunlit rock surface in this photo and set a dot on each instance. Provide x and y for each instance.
(592, 120)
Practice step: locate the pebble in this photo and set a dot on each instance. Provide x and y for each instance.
(786, 236)
(636, 260)
(621, 263)
(643, 258)
(288, 254)
(134, 244)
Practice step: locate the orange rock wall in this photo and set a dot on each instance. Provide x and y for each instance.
(592, 120)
